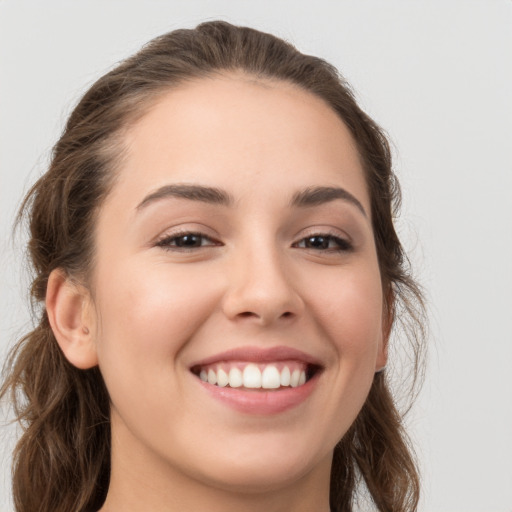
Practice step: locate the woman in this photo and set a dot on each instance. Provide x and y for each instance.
(219, 274)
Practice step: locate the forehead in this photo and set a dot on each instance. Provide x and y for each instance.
(238, 131)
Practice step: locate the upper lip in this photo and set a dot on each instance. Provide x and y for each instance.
(255, 354)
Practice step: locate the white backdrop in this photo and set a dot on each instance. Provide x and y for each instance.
(438, 76)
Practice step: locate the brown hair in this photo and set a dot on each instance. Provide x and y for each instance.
(62, 460)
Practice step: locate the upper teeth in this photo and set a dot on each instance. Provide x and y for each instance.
(269, 377)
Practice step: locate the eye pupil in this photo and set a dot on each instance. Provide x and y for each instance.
(188, 241)
(317, 242)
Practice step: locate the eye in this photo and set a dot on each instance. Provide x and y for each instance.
(186, 241)
(324, 242)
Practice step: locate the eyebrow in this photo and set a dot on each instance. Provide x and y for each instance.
(314, 196)
(311, 196)
(201, 193)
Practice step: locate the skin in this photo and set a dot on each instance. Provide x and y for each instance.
(153, 309)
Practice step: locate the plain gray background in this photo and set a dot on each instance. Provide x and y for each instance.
(438, 76)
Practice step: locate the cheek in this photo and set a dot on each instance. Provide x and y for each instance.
(150, 310)
(147, 314)
(350, 312)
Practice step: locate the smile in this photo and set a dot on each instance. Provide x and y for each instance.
(259, 381)
(256, 376)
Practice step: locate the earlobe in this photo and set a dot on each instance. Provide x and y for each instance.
(382, 356)
(68, 306)
(388, 316)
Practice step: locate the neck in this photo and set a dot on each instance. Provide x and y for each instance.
(178, 499)
(140, 481)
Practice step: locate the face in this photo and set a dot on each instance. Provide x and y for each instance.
(238, 305)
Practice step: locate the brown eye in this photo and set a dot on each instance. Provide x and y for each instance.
(324, 243)
(186, 241)
(189, 240)
(317, 242)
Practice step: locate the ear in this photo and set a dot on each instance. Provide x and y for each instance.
(70, 312)
(388, 316)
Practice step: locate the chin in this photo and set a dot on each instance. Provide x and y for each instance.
(265, 470)
(261, 478)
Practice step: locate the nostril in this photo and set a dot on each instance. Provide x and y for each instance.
(246, 314)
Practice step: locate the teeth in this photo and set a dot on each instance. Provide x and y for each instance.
(222, 378)
(235, 378)
(255, 376)
(252, 376)
(212, 377)
(285, 376)
(270, 378)
(294, 379)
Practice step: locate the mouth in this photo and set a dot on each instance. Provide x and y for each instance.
(259, 381)
(251, 376)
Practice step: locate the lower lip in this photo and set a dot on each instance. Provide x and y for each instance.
(261, 402)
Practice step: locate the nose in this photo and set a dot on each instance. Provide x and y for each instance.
(261, 289)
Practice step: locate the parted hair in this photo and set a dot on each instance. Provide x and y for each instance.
(62, 459)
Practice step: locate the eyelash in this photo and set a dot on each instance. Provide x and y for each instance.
(341, 244)
(170, 242)
(167, 241)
